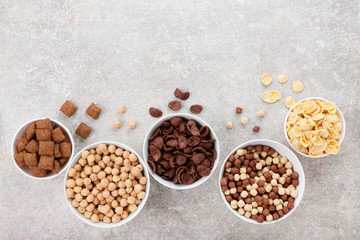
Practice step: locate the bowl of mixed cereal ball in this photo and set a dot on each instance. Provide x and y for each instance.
(106, 184)
(315, 127)
(262, 181)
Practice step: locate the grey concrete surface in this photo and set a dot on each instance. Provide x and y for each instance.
(135, 53)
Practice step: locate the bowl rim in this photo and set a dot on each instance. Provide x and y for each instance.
(13, 147)
(342, 132)
(290, 154)
(170, 184)
(101, 224)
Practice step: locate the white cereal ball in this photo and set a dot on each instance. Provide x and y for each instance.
(244, 120)
(117, 124)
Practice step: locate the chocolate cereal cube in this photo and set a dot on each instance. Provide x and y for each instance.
(43, 134)
(56, 167)
(65, 149)
(57, 152)
(19, 158)
(21, 144)
(46, 148)
(43, 124)
(83, 130)
(63, 161)
(30, 159)
(68, 108)
(46, 162)
(93, 111)
(57, 135)
(30, 131)
(38, 172)
(32, 146)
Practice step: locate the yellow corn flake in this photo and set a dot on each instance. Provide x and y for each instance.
(313, 128)
(289, 101)
(292, 118)
(304, 141)
(295, 143)
(331, 117)
(298, 86)
(304, 150)
(338, 126)
(323, 132)
(332, 111)
(317, 140)
(266, 79)
(271, 96)
(328, 106)
(318, 117)
(282, 78)
(332, 142)
(314, 153)
(332, 149)
(334, 134)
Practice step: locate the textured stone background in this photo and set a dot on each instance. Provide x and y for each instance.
(135, 53)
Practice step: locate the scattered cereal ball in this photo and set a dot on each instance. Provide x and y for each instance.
(122, 109)
(261, 113)
(229, 125)
(289, 101)
(70, 183)
(282, 78)
(244, 120)
(298, 86)
(256, 129)
(132, 124)
(117, 124)
(266, 79)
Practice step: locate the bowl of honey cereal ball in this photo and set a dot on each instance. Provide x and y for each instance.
(106, 184)
(42, 148)
(315, 127)
(262, 181)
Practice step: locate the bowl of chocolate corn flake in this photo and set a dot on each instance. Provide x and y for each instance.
(181, 151)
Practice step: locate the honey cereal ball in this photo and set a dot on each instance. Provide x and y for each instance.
(117, 124)
(132, 124)
(244, 120)
(261, 113)
(122, 109)
(106, 184)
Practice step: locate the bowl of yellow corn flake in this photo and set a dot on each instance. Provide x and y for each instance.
(314, 127)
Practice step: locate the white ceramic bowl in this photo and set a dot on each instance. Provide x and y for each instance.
(338, 113)
(283, 151)
(20, 132)
(101, 224)
(171, 184)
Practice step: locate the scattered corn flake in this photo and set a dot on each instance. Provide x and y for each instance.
(282, 78)
(266, 79)
(289, 101)
(298, 86)
(271, 96)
